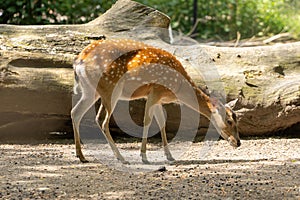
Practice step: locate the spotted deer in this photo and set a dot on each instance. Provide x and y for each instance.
(114, 69)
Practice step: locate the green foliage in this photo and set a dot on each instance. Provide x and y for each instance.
(291, 17)
(217, 19)
(51, 11)
(222, 19)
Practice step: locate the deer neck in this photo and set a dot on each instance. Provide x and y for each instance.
(204, 103)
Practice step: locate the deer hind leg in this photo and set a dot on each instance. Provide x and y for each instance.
(77, 112)
(98, 115)
(152, 99)
(161, 121)
(105, 129)
(147, 122)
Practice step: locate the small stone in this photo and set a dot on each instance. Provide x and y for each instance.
(161, 169)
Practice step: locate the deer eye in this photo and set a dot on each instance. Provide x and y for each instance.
(233, 116)
(229, 122)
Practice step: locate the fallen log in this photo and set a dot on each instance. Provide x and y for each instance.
(36, 76)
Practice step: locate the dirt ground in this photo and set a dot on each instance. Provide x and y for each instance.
(260, 169)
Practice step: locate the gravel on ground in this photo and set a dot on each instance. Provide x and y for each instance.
(260, 169)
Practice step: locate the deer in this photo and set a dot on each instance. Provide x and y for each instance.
(115, 69)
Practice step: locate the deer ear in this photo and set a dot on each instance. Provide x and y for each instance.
(231, 104)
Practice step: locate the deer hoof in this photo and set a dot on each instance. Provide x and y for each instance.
(145, 161)
(82, 159)
(170, 158)
(123, 161)
(144, 158)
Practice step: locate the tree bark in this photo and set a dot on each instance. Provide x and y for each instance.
(36, 75)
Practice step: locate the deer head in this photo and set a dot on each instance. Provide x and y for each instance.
(225, 121)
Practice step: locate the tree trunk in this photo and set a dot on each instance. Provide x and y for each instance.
(36, 76)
